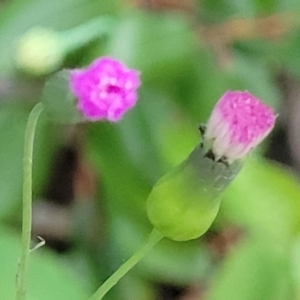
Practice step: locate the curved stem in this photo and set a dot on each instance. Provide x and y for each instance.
(83, 34)
(153, 239)
(27, 199)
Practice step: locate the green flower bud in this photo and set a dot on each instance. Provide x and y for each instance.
(59, 102)
(42, 50)
(39, 51)
(184, 203)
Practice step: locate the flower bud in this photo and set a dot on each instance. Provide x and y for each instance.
(106, 90)
(42, 50)
(184, 203)
(238, 123)
(60, 105)
(39, 51)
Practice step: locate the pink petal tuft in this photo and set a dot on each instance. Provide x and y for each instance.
(239, 122)
(106, 90)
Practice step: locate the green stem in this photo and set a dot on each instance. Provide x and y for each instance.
(81, 35)
(27, 200)
(153, 239)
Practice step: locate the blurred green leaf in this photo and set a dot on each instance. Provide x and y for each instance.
(265, 199)
(221, 10)
(12, 124)
(158, 44)
(135, 287)
(48, 278)
(253, 271)
(122, 180)
(289, 53)
(13, 120)
(255, 76)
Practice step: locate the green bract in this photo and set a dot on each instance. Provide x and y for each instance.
(184, 203)
(60, 104)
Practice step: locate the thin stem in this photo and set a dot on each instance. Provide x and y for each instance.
(153, 239)
(87, 32)
(27, 200)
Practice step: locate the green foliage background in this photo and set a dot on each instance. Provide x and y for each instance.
(187, 58)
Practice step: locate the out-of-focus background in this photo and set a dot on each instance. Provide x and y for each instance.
(91, 180)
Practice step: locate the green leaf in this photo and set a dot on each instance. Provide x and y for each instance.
(12, 124)
(13, 118)
(48, 278)
(135, 287)
(253, 271)
(220, 10)
(157, 44)
(264, 198)
(288, 53)
(252, 74)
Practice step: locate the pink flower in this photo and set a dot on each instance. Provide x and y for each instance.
(239, 122)
(106, 90)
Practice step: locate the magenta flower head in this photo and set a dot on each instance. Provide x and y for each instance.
(238, 123)
(183, 203)
(106, 90)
